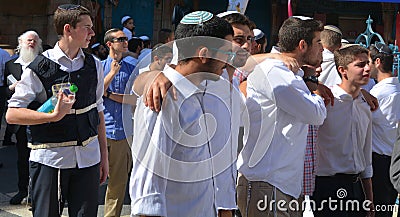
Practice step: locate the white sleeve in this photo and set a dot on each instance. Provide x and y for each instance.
(291, 94)
(29, 88)
(100, 86)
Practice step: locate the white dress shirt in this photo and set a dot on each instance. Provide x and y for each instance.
(280, 107)
(386, 119)
(225, 105)
(329, 75)
(344, 140)
(173, 168)
(30, 88)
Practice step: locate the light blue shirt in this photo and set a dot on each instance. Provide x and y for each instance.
(4, 57)
(115, 113)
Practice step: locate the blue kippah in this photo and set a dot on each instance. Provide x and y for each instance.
(197, 17)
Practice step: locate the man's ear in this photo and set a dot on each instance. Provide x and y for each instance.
(67, 28)
(302, 45)
(343, 72)
(377, 62)
(203, 54)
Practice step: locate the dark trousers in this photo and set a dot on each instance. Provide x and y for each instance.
(78, 186)
(334, 196)
(23, 158)
(384, 192)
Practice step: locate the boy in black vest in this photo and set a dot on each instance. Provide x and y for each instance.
(68, 160)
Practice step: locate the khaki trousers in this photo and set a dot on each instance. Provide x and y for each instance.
(254, 200)
(120, 165)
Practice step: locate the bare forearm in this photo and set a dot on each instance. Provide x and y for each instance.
(123, 98)
(142, 80)
(367, 187)
(24, 116)
(102, 135)
(107, 80)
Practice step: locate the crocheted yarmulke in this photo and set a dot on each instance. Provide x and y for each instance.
(197, 17)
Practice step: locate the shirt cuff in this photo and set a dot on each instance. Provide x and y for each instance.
(150, 205)
(367, 173)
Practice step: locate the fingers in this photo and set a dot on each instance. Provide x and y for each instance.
(156, 98)
(174, 93)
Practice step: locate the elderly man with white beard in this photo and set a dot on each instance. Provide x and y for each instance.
(29, 46)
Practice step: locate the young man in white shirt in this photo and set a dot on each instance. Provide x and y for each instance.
(174, 168)
(344, 141)
(280, 108)
(385, 122)
(69, 157)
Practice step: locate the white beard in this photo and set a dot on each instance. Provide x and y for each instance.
(28, 54)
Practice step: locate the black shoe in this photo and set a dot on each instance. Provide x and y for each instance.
(1, 164)
(17, 199)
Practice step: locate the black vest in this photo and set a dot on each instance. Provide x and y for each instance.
(75, 128)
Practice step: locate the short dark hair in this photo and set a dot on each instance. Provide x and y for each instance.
(70, 16)
(385, 55)
(346, 55)
(215, 27)
(134, 43)
(237, 18)
(108, 35)
(294, 29)
(163, 35)
(331, 38)
(160, 50)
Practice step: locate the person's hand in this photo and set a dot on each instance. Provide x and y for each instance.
(156, 90)
(12, 86)
(115, 67)
(63, 106)
(371, 210)
(290, 62)
(325, 93)
(104, 167)
(371, 100)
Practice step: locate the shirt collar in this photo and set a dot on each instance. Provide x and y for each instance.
(391, 80)
(338, 92)
(179, 81)
(59, 54)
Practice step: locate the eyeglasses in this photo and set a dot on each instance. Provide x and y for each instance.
(120, 39)
(231, 55)
(68, 7)
(382, 48)
(242, 40)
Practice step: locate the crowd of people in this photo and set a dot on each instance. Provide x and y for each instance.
(319, 119)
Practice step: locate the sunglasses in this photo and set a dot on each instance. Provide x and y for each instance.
(120, 39)
(382, 48)
(68, 7)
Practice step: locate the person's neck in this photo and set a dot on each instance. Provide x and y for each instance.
(383, 75)
(116, 56)
(231, 70)
(295, 55)
(189, 69)
(351, 89)
(68, 48)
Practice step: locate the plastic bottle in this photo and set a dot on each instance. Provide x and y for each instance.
(50, 104)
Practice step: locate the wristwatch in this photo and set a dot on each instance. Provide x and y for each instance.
(311, 78)
(108, 93)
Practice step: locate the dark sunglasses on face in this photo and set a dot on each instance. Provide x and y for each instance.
(242, 40)
(68, 7)
(120, 39)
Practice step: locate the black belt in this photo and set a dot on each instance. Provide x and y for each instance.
(343, 176)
